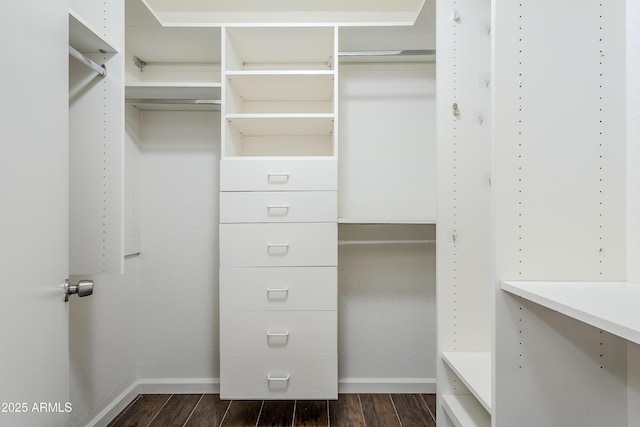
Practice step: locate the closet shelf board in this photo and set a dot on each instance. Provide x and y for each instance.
(161, 90)
(86, 39)
(474, 370)
(283, 86)
(465, 411)
(385, 221)
(282, 124)
(610, 306)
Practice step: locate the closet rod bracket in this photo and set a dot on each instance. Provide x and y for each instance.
(139, 63)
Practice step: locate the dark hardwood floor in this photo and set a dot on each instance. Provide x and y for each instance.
(350, 410)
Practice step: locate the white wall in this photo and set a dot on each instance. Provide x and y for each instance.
(386, 308)
(178, 293)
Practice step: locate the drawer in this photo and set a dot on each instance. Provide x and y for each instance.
(259, 376)
(279, 288)
(279, 332)
(278, 174)
(279, 206)
(278, 244)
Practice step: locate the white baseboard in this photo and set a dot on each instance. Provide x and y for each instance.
(114, 408)
(179, 386)
(212, 385)
(386, 385)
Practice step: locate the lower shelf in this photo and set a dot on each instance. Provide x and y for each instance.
(465, 411)
(474, 370)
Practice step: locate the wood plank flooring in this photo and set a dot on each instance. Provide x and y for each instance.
(350, 410)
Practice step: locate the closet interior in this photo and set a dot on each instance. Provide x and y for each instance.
(450, 202)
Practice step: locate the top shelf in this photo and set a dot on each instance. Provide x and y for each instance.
(306, 48)
(84, 38)
(610, 306)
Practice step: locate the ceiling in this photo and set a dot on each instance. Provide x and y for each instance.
(214, 13)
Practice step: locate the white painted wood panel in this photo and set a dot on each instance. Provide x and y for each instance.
(278, 332)
(559, 214)
(278, 206)
(279, 174)
(279, 288)
(245, 376)
(387, 153)
(34, 361)
(248, 245)
(96, 167)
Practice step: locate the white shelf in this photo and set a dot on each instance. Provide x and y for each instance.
(465, 411)
(385, 221)
(162, 90)
(85, 38)
(474, 370)
(283, 85)
(610, 306)
(282, 124)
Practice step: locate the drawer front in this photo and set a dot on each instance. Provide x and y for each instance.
(259, 376)
(278, 206)
(261, 174)
(278, 332)
(279, 288)
(272, 245)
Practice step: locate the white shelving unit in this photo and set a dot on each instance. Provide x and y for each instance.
(95, 143)
(279, 156)
(474, 369)
(279, 101)
(465, 287)
(610, 306)
(179, 65)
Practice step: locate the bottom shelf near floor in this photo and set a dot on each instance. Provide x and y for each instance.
(464, 410)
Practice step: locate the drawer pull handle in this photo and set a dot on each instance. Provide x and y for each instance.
(277, 210)
(269, 290)
(278, 178)
(277, 248)
(278, 334)
(281, 379)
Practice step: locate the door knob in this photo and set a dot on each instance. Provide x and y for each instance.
(84, 288)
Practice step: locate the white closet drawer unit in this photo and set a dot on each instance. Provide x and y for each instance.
(278, 174)
(266, 245)
(279, 332)
(278, 206)
(279, 288)
(260, 376)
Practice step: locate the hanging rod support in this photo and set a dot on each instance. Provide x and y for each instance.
(100, 69)
(139, 63)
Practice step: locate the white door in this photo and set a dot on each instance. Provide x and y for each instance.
(34, 361)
